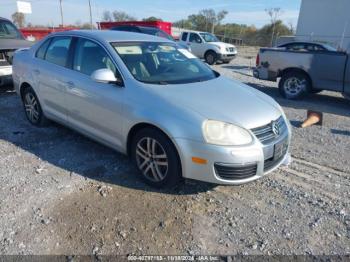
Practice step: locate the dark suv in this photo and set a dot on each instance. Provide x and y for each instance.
(149, 31)
(143, 30)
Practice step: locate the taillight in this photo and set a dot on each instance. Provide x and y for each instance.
(257, 60)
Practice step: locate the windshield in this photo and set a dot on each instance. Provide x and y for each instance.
(157, 32)
(9, 31)
(209, 37)
(162, 63)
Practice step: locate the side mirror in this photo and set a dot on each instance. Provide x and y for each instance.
(104, 76)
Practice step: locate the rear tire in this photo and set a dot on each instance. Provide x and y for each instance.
(156, 158)
(32, 108)
(294, 85)
(210, 57)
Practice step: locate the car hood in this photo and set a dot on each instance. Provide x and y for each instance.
(225, 100)
(14, 44)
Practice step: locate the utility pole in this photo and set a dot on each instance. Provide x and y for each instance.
(91, 25)
(61, 13)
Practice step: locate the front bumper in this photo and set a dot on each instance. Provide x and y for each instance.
(240, 158)
(227, 56)
(5, 75)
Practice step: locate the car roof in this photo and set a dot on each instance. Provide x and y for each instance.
(309, 43)
(5, 19)
(112, 36)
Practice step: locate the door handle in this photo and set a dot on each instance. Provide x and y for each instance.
(70, 84)
(36, 71)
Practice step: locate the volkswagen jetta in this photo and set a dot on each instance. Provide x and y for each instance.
(149, 98)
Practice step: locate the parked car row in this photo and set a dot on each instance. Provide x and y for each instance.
(153, 100)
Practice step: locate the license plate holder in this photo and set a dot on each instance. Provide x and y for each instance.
(280, 149)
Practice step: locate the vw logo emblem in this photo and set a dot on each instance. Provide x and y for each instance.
(275, 128)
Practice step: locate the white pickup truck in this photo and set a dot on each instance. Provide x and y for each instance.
(207, 46)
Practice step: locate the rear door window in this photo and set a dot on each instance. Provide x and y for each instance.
(297, 47)
(57, 53)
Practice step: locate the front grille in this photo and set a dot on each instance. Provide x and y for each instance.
(265, 133)
(230, 172)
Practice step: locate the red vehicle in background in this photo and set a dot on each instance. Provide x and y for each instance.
(36, 33)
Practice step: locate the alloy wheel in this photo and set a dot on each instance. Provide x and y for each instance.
(32, 107)
(152, 159)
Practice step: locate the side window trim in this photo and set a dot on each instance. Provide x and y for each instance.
(71, 53)
(49, 40)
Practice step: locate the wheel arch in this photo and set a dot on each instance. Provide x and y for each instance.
(142, 125)
(295, 69)
(210, 50)
(22, 87)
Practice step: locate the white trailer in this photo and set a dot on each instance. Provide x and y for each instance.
(325, 21)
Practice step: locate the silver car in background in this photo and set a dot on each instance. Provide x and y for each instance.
(146, 97)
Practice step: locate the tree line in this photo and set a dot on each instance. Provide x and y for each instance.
(207, 20)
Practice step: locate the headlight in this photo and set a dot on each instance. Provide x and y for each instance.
(224, 134)
(227, 49)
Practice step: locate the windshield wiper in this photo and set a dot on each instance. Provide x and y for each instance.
(156, 82)
(160, 83)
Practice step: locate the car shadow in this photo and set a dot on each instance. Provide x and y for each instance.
(322, 102)
(340, 132)
(236, 67)
(68, 150)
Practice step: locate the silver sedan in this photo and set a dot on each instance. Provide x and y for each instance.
(153, 100)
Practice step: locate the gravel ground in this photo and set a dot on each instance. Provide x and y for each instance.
(65, 194)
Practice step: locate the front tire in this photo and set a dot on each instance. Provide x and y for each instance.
(294, 85)
(32, 108)
(156, 158)
(210, 57)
